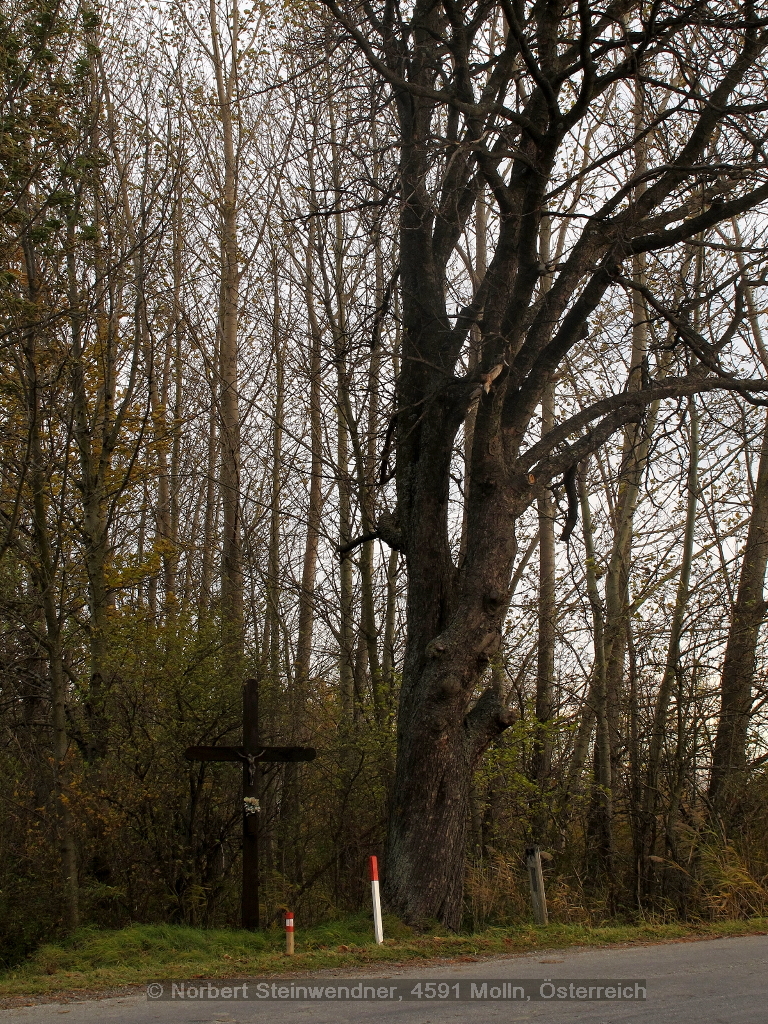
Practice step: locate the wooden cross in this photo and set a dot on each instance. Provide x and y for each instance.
(250, 755)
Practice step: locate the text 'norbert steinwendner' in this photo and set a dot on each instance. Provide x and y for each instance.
(403, 990)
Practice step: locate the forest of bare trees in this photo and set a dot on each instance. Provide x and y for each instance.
(412, 359)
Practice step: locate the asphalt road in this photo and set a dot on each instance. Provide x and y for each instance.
(724, 981)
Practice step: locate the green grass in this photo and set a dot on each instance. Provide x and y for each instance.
(100, 960)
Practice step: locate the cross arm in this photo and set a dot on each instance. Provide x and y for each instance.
(240, 754)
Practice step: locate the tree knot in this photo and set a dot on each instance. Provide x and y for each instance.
(388, 528)
(435, 648)
(494, 600)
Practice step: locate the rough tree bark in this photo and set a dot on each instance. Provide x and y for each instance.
(729, 760)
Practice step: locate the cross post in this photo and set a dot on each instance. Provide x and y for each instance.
(252, 789)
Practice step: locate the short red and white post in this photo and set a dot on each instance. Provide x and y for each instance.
(373, 871)
(289, 932)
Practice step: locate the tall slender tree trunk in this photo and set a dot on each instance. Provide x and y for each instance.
(312, 541)
(390, 621)
(177, 340)
(635, 447)
(336, 311)
(158, 364)
(45, 571)
(547, 619)
(346, 590)
(729, 758)
(671, 677)
(366, 474)
(95, 461)
(272, 627)
(229, 406)
(602, 851)
(210, 498)
(475, 352)
(547, 606)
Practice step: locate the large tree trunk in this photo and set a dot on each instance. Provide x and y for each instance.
(729, 759)
(454, 622)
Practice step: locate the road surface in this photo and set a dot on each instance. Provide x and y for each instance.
(724, 981)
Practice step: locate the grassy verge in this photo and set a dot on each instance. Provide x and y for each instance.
(93, 960)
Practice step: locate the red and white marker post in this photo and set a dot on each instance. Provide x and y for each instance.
(373, 871)
(289, 932)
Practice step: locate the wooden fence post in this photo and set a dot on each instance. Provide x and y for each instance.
(538, 897)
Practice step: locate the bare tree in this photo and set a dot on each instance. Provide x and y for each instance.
(456, 131)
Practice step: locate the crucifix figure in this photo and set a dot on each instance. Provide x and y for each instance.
(250, 755)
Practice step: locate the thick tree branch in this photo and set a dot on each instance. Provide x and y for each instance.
(631, 402)
(488, 718)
